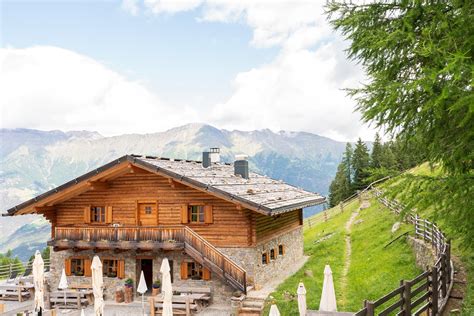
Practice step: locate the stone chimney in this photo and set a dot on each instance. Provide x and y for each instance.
(206, 159)
(241, 166)
(215, 154)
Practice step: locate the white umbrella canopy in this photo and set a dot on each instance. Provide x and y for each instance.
(142, 288)
(166, 288)
(63, 281)
(38, 280)
(82, 312)
(328, 297)
(97, 285)
(274, 311)
(301, 291)
(63, 284)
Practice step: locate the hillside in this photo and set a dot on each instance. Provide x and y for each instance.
(463, 252)
(368, 271)
(35, 161)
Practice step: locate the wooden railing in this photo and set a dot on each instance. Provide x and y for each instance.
(208, 255)
(194, 244)
(429, 291)
(129, 233)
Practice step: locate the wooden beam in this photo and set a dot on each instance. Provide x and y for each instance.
(44, 209)
(136, 170)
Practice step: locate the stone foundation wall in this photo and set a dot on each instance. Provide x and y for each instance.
(221, 292)
(251, 258)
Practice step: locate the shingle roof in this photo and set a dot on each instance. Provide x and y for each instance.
(268, 195)
(259, 193)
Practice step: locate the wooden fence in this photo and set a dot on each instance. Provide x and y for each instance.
(427, 293)
(19, 269)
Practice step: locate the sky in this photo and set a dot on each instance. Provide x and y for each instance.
(144, 66)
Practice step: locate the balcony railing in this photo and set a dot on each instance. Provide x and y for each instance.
(119, 234)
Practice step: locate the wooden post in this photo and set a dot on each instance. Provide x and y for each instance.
(2, 308)
(443, 275)
(434, 291)
(151, 300)
(370, 308)
(325, 216)
(448, 260)
(188, 307)
(359, 196)
(407, 298)
(341, 206)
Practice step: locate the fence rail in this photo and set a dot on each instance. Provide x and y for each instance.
(428, 292)
(19, 269)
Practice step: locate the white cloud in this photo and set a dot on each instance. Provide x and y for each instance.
(53, 88)
(131, 6)
(171, 6)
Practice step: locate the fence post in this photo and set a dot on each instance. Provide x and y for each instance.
(443, 275)
(407, 298)
(434, 291)
(325, 216)
(448, 260)
(370, 308)
(341, 205)
(359, 196)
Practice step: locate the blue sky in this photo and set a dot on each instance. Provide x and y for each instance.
(242, 65)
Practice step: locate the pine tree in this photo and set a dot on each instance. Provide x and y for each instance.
(360, 164)
(388, 160)
(377, 152)
(339, 188)
(347, 160)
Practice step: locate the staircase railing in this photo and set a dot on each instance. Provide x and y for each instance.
(209, 256)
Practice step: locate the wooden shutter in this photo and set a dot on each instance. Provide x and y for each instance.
(120, 269)
(206, 274)
(208, 217)
(87, 267)
(267, 257)
(282, 250)
(184, 270)
(184, 214)
(87, 214)
(67, 266)
(108, 214)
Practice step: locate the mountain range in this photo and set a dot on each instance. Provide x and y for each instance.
(34, 161)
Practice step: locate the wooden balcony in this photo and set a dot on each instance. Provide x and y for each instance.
(119, 238)
(146, 238)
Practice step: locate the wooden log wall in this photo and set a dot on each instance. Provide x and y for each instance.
(229, 227)
(270, 226)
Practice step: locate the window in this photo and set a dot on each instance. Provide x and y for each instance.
(264, 258)
(77, 267)
(194, 271)
(98, 214)
(281, 250)
(196, 213)
(148, 210)
(272, 254)
(109, 268)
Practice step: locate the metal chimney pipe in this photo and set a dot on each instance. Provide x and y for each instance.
(241, 166)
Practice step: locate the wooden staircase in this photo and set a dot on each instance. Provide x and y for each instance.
(210, 257)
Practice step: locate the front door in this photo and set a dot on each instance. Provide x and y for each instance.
(148, 214)
(145, 265)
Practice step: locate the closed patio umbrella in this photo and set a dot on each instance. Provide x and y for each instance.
(38, 280)
(274, 311)
(142, 288)
(63, 284)
(97, 286)
(328, 297)
(166, 288)
(301, 299)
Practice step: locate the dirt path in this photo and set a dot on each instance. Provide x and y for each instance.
(347, 260)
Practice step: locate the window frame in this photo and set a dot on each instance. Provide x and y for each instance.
(265, 259)
(74, 264)
(200, 214)
(198, 275)
(102, 214)
(107, 264)
(281, 250)
(273, 254)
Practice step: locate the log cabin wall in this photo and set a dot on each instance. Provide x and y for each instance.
(268, 227)
(230, 227)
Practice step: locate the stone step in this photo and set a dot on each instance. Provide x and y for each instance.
(256, 304)
(249, 311)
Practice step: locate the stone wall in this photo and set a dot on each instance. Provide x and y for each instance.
(251, 258)
(424, 256)
(220, 290)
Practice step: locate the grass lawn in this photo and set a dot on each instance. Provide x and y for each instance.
(373, 271)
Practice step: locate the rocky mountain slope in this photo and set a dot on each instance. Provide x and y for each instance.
(34, 161)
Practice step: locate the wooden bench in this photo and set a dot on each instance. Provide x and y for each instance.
(179, 307)
(69, 299)
(15, 292)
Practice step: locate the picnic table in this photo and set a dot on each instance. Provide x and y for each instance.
(182, 304)
(16, 292)
(70, 298)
